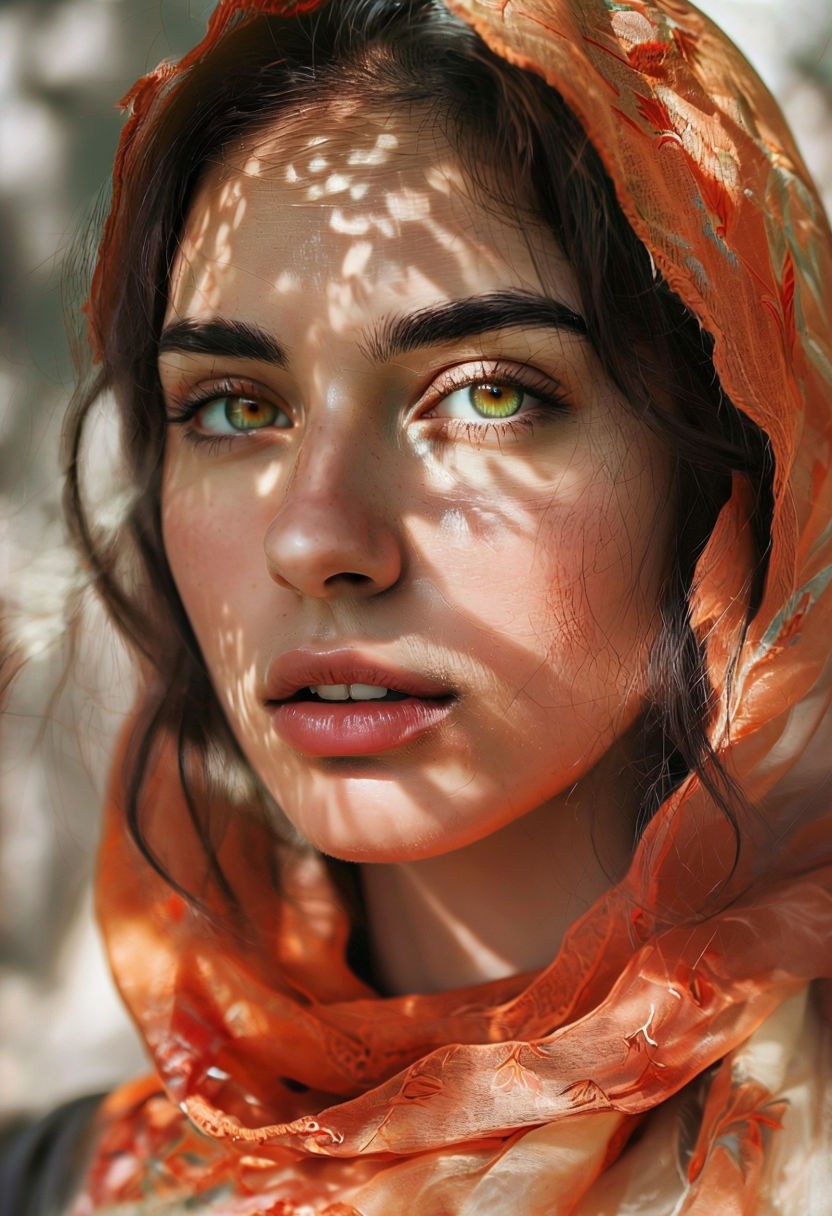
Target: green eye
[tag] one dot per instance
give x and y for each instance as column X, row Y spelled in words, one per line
column 496, row 400
column 485, row 401
column 245, row 415
column 233, row 415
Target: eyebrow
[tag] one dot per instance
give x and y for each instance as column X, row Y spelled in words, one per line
column 430, row 326
column 222, row 336
column 437, row 324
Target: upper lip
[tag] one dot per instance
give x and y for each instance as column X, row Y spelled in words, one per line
column 295, row 670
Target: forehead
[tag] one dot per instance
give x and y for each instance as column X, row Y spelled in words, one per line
column 361, row 205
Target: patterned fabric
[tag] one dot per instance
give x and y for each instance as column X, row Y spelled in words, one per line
column 671, row 1058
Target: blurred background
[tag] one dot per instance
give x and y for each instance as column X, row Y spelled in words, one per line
column 63, row 66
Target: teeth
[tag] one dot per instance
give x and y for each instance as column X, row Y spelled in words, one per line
column 367, row 692
column 346, row 692
column 331, row 692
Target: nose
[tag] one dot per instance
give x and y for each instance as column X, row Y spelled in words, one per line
column 335, row 530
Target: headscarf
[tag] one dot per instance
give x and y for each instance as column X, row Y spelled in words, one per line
column 670, row 1059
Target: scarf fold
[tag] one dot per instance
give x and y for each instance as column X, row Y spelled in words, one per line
column 670, row 1057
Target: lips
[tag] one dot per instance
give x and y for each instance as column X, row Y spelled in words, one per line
column 339, row 704
column 298, row 671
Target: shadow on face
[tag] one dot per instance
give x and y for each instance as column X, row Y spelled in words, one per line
column 394, row 463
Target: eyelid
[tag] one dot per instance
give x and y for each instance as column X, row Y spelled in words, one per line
column 182, row 408
column 503, row 371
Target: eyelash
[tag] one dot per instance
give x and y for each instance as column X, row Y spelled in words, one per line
column 551, row 400
column 550, row 397
column 183, row 414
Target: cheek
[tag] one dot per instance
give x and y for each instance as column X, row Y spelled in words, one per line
column 562, row 586
column 214, row 556
column 627, row 555
column 579, row 559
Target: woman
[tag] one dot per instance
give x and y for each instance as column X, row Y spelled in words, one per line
column 470, row 850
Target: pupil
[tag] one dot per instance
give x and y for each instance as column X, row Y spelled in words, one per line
column 245, row 415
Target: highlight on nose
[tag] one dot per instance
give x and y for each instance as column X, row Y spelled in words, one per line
column 329, row 549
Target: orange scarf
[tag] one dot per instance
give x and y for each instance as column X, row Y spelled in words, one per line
column 671, row 1057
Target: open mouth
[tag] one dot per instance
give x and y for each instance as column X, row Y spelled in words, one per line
column 357, row 719
column 340, row 703
column 347, row 692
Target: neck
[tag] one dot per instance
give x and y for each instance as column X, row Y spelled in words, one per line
column 501, row 905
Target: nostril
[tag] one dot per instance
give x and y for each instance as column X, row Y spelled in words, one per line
column 321, row 552
column 348, row 576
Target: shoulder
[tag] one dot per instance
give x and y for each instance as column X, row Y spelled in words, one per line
column 40, row 1160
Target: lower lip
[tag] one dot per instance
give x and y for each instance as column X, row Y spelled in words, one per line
column 356, row 728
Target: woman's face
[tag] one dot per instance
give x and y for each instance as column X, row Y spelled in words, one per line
column 419, row 536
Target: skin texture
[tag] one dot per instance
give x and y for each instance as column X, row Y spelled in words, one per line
column 516, row 564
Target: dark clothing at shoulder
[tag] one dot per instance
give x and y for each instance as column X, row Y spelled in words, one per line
column 40, row 1159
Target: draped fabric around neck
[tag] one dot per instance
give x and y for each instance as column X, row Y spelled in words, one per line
column 670, row 1057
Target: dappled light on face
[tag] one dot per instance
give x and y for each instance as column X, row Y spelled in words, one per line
column 206, row 258
column 267, row 481
column 240, row 692
column 329, row 171
column 372, row 507
column 314, row 170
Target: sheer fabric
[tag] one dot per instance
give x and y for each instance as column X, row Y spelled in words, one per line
column 671, row 1058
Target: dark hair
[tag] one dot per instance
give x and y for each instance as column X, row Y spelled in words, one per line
column 409, row 53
